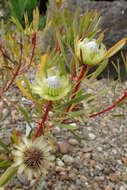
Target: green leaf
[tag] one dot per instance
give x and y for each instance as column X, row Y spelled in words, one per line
column 76, row 135
column 75, row 100
column 99, row 70
column 42, row 184
column 8, row 174
column 113, row 50
column 27, row 84
column 4, row 146
column 17, row 9
column 77, row 113
column 124, row 61
column 69, row 127
column 122, row 116
column 75, row 22
column 17, row 23
column 26, row 115
column 30, row 6
column 61, row 46
column 4, row 164
column 62, row 66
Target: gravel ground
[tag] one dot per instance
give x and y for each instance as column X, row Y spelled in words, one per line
column 99, row 161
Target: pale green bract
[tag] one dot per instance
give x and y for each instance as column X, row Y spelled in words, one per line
column 52, row 88
column 92, row 52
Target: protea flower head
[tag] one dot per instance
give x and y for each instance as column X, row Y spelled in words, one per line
column 32, row 158
column 92, row 52
column 53, row 87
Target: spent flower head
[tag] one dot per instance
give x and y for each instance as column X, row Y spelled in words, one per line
column 32, row 158
column 53, row 87
column 92, row 52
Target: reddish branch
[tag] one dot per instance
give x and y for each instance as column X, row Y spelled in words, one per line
column 3, row 54
column 111, row 107
column 42, row 122
column 33, row 53
column 15, row 73
column 78, row 82
column 6, row 56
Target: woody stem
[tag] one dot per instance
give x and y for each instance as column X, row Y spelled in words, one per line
column 42, row 122
column 78, row 82
column 110, row 107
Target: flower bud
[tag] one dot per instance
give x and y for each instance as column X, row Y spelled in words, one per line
column 91, row 51
column 52, row 88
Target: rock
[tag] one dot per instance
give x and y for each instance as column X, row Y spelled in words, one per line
column 112, row 12
column 100, row 149
column 60, row 163
column 117, row 10
column 73, row 142
column 122, row 188
column 83, row 179
column 5, row 113
column 124, row 177
column 64, row 147
column 92, row 136
column 73, row 176
column 95, row 185
column 87, row 156
column 108, row 187
column 78, row 183
column 68, row 159
column 114, row 177
column 59, row 169
column 88, row 149
column 23, row 180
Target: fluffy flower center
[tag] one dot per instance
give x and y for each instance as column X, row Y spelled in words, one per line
column 33, row 158
column 53, row 82
column 92, row 45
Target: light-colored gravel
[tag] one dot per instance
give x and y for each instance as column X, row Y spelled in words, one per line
column 99, row 160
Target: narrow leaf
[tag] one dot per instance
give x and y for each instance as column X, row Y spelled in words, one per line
column 26, row 115
column 15, row 137
column 41, row 68
column 9, row 173
column 69, row 127
column 4, row 146
column 115, row 48
column 4, row 164
column 23, row 90
column 99, row 70
column 75, row 100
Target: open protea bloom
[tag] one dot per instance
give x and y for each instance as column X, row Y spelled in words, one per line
column 52, row 88
column 92, row 52
column 32, row 158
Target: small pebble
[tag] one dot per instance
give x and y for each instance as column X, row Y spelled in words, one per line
column 68, row 159
column 122, row 188
column 73, row 142
column 92, row 136
column 64, row 147
column 5, row 113
column 60, row 163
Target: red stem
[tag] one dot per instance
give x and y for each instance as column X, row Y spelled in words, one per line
column 110, row 107
column 42, row 122
column 15, row 73
column 33, row 53
column 78, row 82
